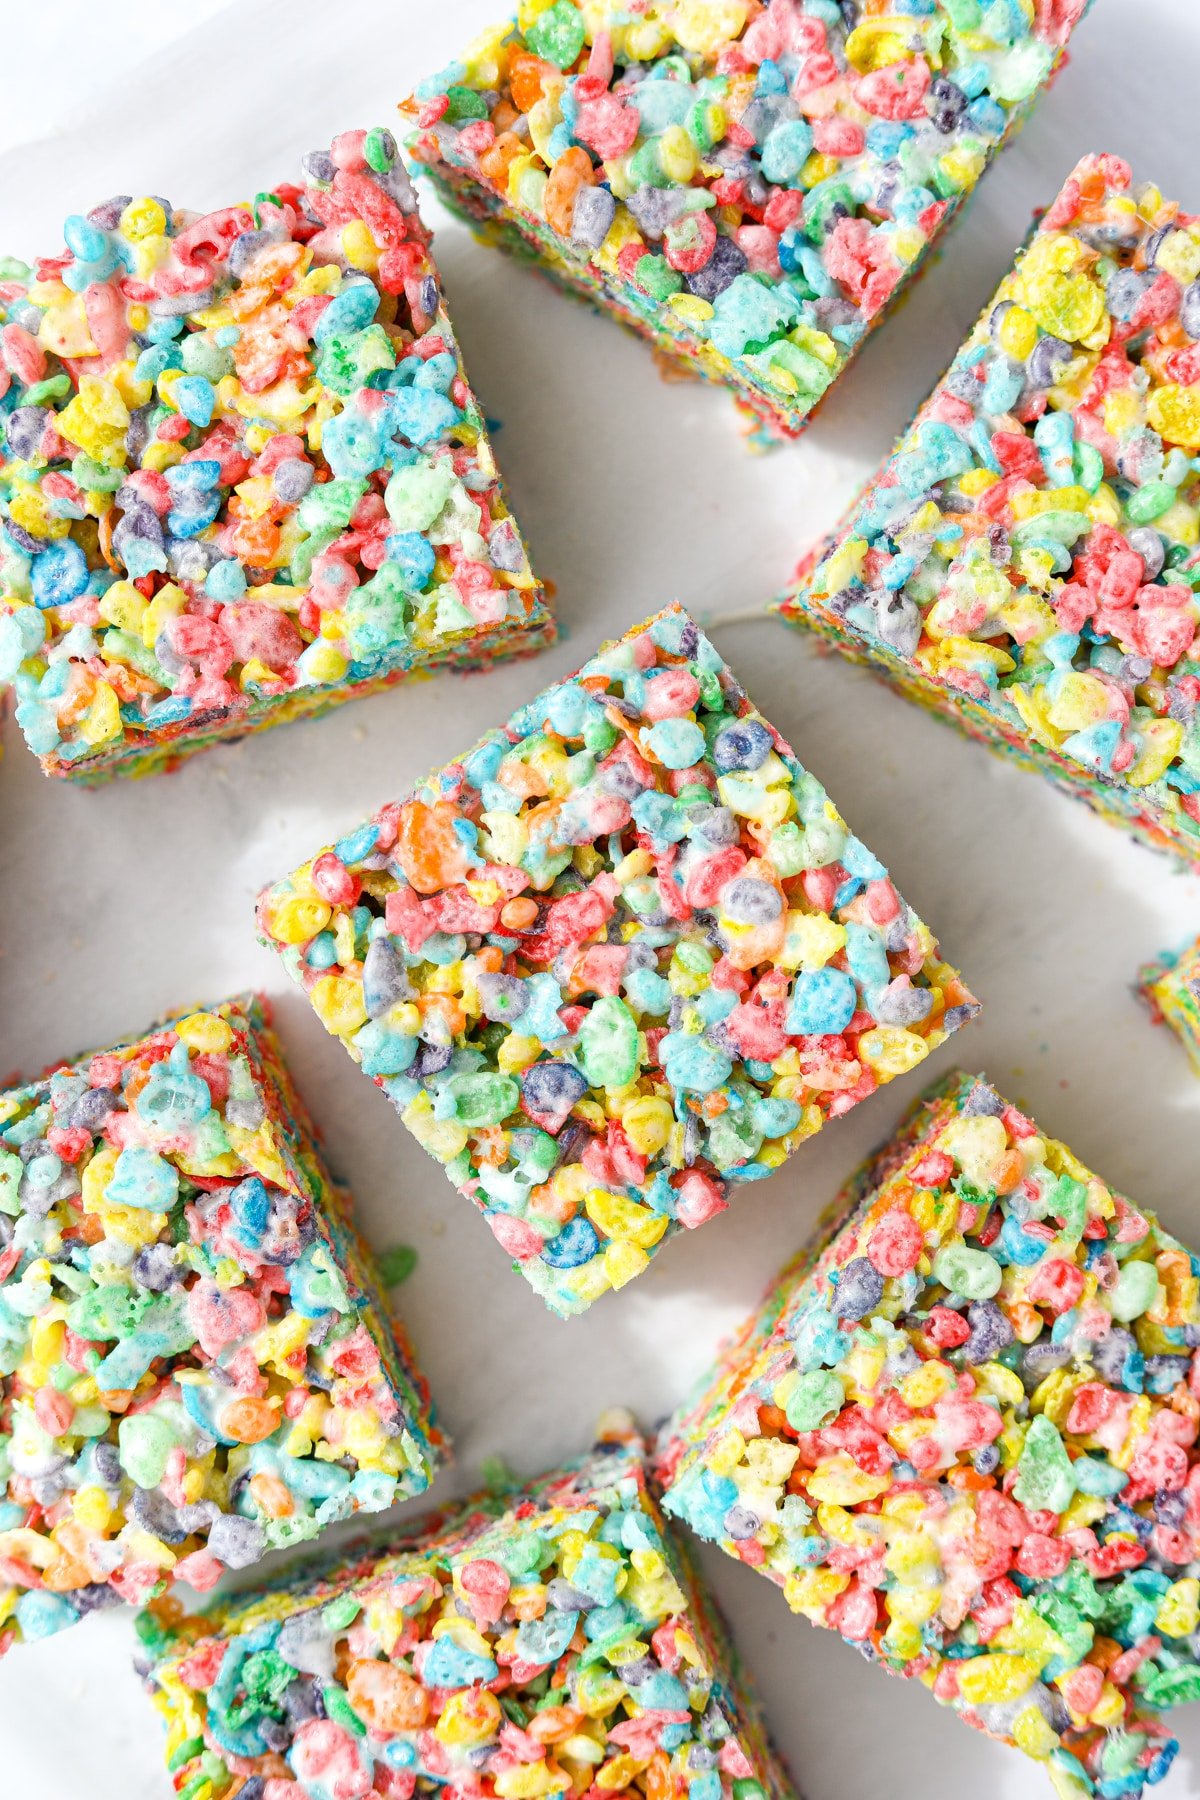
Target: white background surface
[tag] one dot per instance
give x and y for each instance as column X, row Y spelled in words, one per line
column 119, row 905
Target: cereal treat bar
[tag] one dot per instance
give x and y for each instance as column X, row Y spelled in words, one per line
column 619, row 957
column 962, row 1433
column 549, row 1640
column 1171, row 986
column 242, row 475
column 1026, row 564
column 748, row 185
column 196, row 1365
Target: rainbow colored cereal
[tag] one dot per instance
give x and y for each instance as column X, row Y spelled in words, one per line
column 1026, row 564
column 961, row 1431
column 621, row 956
column 195, row 1366
column 242, row 475
column 549, row 1640
column 1171, row 987
column 748, row 185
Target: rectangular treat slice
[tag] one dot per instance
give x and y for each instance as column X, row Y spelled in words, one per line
column 961, row 1432
column 1025, row 565
column 551, row 1640
column 1171, row 987
column 749, row 186
column 617, row 958
column 242, row 474
column 196, row 1364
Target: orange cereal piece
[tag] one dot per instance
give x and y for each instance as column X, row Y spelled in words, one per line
column 571, row 172
column 431, row 854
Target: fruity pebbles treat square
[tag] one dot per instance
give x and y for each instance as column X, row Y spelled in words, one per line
column 242, row 474
column 550, row 1640
column 748, row 185
column 961, row 1432
column 1026, row 563
column 621, row 956
column 1171, row 987
column 196, row 1365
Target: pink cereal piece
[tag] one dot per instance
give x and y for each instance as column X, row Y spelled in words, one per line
column 1057, row 1285
column 521, row 1240
column 53, row 1411
column 895, row 1245
column 223, row 1316
column 200, row 1570
column 486, row 1584
column 698, row 1199
column 670, row 694
column 333, row 881
column 895, row 92
column 22, row 354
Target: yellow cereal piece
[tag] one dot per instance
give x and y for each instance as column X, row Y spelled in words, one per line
column 1181, row 523
column 515, row 1053
column 623, row 1259
column 928, row 1384
column 996, row 1679
column 816, row 343
column 91, row 1508
column 648, row 1123
column 818, row 168
column 65, row 331
column 812, row 1590
column 95, row 420
column 1159, row 742
column 324, row 662
column 298, row 918
column 29, row 508
column 975, row 1144
column 961, row 167
column 1032, row 1734
column 677, row 154
column 1175, row 412
column 838, row 1478
column 617, row 1217
column 904, row 1638
column 123, row 606
column 168, row 603
column 976, row 482
column 205, row 1032
column 359, row 247
column 1178, row 1612
column 1018, row 333
column 527, row 1781
column 878, row 43
column 993, row 1378
column 1110, row 1709
column 844, row 566
column 338, row 1002
column 102, row 720
column 1032, row 704
column 892, row 1049
column 1081, row 700
column 705, row 26
column 811, row 940
column 690, row 308
column 142, row 219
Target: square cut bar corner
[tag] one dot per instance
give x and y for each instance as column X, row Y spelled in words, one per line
column 196, row 1362
column 746, row 185
column 1027, row 563
column 243, row 476
column 618, row 958
column 961, row 1432
column 1171, row 988
column 552, row 1639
